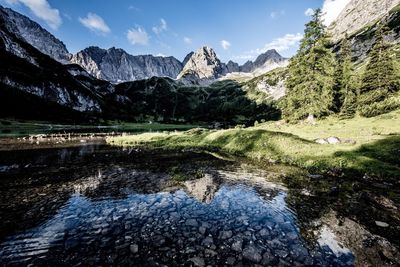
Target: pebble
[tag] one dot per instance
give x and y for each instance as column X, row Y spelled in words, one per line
column 134, row 248
column 225, row 235
column 192, row 222
column 202, row 230
column 208, row 241
column 251, row 253
column 237, row 246
column 197, row 261
column 381, row 224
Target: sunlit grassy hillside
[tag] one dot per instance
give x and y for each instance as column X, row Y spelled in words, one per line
column 375, row 152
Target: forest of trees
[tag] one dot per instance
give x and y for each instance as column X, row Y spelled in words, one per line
column 321, row 83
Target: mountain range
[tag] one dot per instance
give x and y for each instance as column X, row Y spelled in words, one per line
column 116, row 65
column 203, row 66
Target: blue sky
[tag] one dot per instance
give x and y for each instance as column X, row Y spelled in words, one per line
column 237, row 29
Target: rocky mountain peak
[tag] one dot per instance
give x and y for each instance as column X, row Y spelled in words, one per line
column 202, row 66
column 206, row 55
column 270, row 55
column 266, row 61
column 32, row 33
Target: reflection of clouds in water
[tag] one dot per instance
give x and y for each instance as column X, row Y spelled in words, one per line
column 328, row 238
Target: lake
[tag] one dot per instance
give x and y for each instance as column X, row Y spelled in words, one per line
column 98, row 205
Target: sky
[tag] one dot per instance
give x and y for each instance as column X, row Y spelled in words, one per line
column 238, row 30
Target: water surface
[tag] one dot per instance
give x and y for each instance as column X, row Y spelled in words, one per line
column 99, row 205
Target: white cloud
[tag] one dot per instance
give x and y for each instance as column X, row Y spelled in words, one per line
column 309, row 12
column 137, row 35
column 225, row 44
column 187, row 40
column 134, row 8
column 160, row 55
column 42, row 10
column 331, row 10
column 95, row 23
column 279, row 44
column 160, row 28
column 276, row 14
column 282, row 43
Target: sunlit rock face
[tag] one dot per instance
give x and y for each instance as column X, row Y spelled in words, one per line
column 203, row 67
column 358, row 14
column 360, row 19
column 265, row 62
column 116, row 65
column 32, row 33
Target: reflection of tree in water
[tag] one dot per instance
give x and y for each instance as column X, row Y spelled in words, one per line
column 343, row 208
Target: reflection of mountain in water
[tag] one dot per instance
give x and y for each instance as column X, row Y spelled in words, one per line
column 175, row 228
column 203, row 189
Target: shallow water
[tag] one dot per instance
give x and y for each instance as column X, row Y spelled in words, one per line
column 99, row 205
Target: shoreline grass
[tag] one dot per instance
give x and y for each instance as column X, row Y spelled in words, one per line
column 14, row 128
column 374, row 154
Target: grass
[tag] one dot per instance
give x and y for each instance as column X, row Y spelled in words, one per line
column 377, row 144
column 10, row 128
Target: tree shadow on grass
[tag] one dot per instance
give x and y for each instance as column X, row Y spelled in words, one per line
column 380, row 157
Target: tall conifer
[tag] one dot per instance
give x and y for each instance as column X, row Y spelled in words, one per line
column 379, row 81
column 310, row 82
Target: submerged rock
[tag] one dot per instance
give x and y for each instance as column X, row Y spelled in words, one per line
column 134, row 248
column 197, row 261
column 381, row 224
column 252, row 253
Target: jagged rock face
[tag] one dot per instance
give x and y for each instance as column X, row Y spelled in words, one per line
column 186, row 59
column 232, row 67
column 362, row 40
column 32, row 33
column 203, row 66
column 25, row 69
column 358, row 14
column 116, row 65
column 265, row 62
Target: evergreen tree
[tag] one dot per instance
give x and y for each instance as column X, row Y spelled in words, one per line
column 379, row 81
column 310, row 81
column 343, row 75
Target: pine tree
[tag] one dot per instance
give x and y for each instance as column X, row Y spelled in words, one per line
column 310, row 82
column 343, row 75
column 379, row 81
column 344, row 90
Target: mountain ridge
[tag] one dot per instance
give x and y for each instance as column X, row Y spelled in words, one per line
column 34, row 34
column 116, row 65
